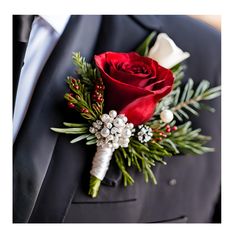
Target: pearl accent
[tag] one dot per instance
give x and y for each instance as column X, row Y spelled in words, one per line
column 105, row 118
column 130, row 125
column 112, row 130
column 92, row 130
column 112, row 113
column 167, row 116
column 118, row 122
column 105, row 132
column 108, row 125
column 127, row 133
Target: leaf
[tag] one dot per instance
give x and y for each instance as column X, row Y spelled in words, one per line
column 178, row 116
column 144, row 47
column 183, row 113
column 74, row 125
column 91, row 142
column 172, row 145
column 191, row 110
column 91, row 136
column 70, row 130
column 79, row 138
column 206, row 107
column 212, row 96
column 176, row 98
column 152, row 176
column 202, row 87
column 190, row 91
column 184, row 94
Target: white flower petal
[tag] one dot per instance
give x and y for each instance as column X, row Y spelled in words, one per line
column 166, row 52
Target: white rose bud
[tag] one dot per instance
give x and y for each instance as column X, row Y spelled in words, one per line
column 166, row 52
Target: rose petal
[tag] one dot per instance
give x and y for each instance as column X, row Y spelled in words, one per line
column 130, row 91
column 135, row 111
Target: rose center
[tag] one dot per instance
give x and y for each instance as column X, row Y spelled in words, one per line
column 140, row 69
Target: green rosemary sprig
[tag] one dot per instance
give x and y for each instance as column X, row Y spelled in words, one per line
column 87, row 73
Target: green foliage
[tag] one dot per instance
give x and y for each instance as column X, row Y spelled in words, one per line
column 81, row 99
column 143, row 49
column 82, row 129
column 190, row 100
column 185, row 140
column 187, row 100
column 142, row 157
column 178, row 73
column 87, row 73
column 128, row 180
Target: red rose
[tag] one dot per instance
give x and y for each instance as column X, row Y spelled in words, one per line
column 134, row 84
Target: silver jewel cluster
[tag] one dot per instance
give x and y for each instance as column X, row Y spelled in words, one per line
column 112, row 130
column 144, row 134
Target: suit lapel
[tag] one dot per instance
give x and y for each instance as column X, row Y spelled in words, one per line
column 35, row 142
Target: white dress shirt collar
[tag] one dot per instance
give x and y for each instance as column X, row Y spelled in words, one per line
column 45, row 33
column 57, row 22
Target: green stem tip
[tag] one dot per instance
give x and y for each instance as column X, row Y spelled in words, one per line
column 94, row 186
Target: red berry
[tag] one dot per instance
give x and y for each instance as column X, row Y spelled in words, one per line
column 161, row 133
column 73, row 81
column 71, row 105
column 99, row 98
column 167, row 126
column 158, row 139
column 84, row 110
column 174, row 128
column 168, row 130
column 76, row 87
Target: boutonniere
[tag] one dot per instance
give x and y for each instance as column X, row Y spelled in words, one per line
column 135, row 109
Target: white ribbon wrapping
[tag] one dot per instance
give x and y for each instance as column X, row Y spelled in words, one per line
column 101, row 162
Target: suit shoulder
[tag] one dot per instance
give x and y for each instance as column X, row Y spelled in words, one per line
column 181, row 27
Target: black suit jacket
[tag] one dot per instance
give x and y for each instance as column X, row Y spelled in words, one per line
column 51, row 175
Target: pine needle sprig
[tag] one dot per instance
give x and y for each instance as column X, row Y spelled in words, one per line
column 178, row 73
column 167, row 101
column 185, row 140
column 81, row 129
column 142, row 157
column 128, row 180
column 190, row 100
column 187, row 100
column 80, row 98
column 87, row 73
